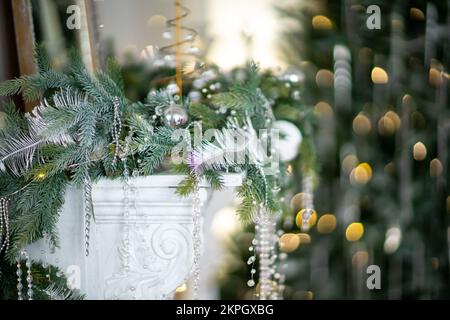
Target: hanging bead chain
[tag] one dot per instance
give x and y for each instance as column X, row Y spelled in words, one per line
column 264, row 240
column 88, row 210
column 307, row 184
column 263, row 245
column 29, row 276
column 275, row 276
column 196, row 233
column 4, row 224
column 251, row 261
column 116, row 129
column 19, row 279
column 276, row 260
column 265, row 227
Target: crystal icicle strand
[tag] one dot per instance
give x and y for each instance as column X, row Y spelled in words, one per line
column 126, row 216
column 264, row 246
column 127, row 190
column 29, row 276
column 307, row 184
column 4, row 224
column 196, row 234
column 265, row 228
column 88, row 210
column 19, row 279
column 282, row 269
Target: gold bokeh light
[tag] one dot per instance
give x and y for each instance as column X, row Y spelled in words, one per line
column 323, row 109
column 311, row 221
column 354, row 231
column 298, row 202
column 289, row 242
column 361, row 124
column 304, row 238
column 379, row 76
column 361, row 174
column 436, row 168
column 321, row 22
column 327, row 223
column 416, row 14
column 360, row 259
column 419, row 151
column 324, row 78
column 350, row 161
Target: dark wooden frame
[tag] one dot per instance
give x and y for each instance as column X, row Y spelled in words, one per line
column 9, row 64
column 24, row 31
column 25, row 38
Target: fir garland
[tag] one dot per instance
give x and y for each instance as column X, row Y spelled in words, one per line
column 67, row 139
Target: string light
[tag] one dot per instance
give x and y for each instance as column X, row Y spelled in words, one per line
column 40, row 176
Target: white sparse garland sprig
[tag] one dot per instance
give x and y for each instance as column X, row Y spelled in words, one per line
column 17, row 153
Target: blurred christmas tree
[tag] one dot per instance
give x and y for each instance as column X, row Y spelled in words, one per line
column 381, row 97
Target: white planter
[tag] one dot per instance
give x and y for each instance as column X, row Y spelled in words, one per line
column 161, row 243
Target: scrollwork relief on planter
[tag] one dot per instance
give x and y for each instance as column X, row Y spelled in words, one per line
column 160, row 258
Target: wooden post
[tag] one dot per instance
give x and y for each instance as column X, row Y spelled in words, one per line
column 23, row 25
column 9, row 66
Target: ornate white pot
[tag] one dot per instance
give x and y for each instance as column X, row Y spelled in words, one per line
column 160, row 243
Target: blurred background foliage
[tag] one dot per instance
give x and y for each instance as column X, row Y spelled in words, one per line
column 381, row 98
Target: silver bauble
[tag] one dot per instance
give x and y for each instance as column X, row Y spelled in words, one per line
column 175, row 116
column 195, row 96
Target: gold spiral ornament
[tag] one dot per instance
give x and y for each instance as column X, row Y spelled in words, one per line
column 183, row 36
